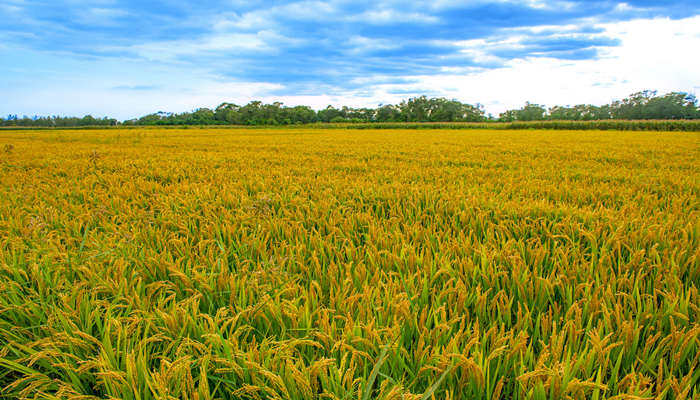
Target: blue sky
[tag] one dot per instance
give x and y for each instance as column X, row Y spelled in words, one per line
column 129, row 58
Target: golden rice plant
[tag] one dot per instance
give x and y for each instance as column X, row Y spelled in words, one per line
column 332, row 264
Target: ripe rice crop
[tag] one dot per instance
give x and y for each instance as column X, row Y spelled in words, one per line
column 345, row 264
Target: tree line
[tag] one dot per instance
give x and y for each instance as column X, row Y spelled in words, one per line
column 418, row 109
column 638, row 106
column 57, row 121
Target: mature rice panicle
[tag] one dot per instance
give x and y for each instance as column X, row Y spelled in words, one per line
column 334, row 264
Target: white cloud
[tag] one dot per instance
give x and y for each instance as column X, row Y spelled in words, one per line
column 10, row 9
column 393, row 16
column 100, row 16
column 246, row 21
column 107, row 12
column 174, row 50
column 653, row 54
column 266, row 18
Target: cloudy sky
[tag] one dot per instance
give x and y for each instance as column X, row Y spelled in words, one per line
column 129, row 58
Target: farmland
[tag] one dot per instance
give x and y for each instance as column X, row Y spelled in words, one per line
column 349, row 264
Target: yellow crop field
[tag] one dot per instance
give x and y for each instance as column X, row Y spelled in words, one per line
column 346, row 264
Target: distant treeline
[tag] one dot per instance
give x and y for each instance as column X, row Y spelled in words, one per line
column 613, row 124
column 57, row 121
column 646, row 105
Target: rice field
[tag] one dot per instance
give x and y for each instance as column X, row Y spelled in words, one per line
column 365, row 264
